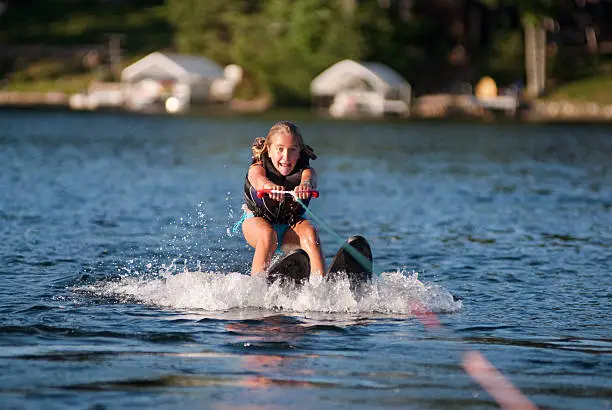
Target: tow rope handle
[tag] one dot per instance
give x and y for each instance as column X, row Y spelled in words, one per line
column 262, row 192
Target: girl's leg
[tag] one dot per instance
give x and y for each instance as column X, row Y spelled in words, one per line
column 260, row 235
column 304, row 235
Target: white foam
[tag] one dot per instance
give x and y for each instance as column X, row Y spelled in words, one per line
column 391, row 292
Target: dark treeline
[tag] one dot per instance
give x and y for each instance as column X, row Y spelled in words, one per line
column 435, row 44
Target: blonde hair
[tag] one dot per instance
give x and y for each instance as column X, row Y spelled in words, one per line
column 260, row 145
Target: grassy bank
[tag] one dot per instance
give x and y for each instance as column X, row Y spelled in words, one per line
column 596, row 89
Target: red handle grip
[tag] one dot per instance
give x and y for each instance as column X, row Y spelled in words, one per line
column 262, row 192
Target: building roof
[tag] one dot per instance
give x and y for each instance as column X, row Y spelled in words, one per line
column 345, row 73
column 181, row 67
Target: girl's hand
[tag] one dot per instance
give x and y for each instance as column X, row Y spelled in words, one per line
column 302, row 190
column 276, row 197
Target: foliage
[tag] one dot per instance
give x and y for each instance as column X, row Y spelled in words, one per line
column 78, row 23
column 507, row 56
column 203, row 26
column 393, row 41
column 282, row 45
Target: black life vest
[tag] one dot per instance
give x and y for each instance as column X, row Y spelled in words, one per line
column 287, row 211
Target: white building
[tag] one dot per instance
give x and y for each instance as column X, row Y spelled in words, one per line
column 177, row 80
column 350, row 88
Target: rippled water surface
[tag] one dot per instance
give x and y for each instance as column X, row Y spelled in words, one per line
column 123, row 287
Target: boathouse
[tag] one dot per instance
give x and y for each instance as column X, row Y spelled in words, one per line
column 184, row 79
column 351, row 88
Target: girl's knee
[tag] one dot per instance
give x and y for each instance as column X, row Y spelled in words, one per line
column 309, row 237
column 267, row 239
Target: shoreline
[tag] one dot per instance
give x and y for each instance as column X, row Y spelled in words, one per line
column 446, row 107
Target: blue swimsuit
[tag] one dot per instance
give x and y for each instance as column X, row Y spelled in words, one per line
column 280, row 229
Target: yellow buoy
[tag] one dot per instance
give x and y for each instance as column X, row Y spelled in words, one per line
column 486, row 88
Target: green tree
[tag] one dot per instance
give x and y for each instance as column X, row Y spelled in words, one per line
column 295, row 42
column 281, row 45
column 204, row 26
column 506, row 56
column 405, row 44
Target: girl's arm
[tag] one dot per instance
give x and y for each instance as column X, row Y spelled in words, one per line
column 307, row 182
column 309, row 176
column 257, row 178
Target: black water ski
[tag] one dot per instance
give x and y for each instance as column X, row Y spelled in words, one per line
column 358, row 270
column 291, row 267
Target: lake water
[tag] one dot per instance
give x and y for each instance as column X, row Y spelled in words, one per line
column 122, row 286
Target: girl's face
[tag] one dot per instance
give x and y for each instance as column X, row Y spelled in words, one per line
column 284, row 151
